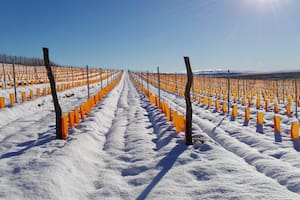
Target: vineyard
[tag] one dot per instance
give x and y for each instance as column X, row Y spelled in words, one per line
column 124, row 135
column 242, row 100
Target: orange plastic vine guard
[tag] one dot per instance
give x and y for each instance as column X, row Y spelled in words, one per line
column 276, row 108
column 217, row 105
column 267, row 105
column 243, row 101
column 71, row 119
column 64, row 126
column 12, row 98
column 44, row 91
column 260, row 118
column 234, row 111
column 295, row 130
column 209, row 102
column 76, row 116
column 277, row 123
column 224, row 107
column 82, row 111
column 23, row 94
column 30, row 94
column 288, row 109
column 2, row 102
column 257, row 103
column 38, row 92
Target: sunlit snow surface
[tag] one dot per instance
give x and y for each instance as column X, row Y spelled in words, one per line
column 126, row 149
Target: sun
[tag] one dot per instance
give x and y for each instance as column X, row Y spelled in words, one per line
column 264, row 4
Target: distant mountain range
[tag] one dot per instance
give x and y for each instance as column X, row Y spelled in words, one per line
column 280, row 74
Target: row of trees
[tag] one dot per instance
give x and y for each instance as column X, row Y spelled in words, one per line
column 21, row 60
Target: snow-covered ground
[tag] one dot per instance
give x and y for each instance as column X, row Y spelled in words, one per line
column 126, row 149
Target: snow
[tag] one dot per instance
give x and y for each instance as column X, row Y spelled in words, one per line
column 126, row 149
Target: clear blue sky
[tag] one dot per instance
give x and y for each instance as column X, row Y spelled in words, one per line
column 140, row 34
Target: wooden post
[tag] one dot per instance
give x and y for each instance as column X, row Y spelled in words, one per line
column 283, row 91
column 228, row 93
column 296, row 102
column 189, row 111
column 142, row 79
column 54, row 95
column 106, row 77
column 87, row 79
column 277, row 89
column 176, row 87
column 238, row 90
column 101, row 78
column 111, row 76
column 4, row 76
column 193, row 90
column 36, row 76
column 15, row 85
column 148, row 81
column 82, row 70
column 158, row 79
column 72, row 76
column 244, row 88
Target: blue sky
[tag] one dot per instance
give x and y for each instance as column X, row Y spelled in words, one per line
column 140, row 35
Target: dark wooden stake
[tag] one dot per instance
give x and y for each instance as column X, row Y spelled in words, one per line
column 101, row 78
column 54, row 95
column 189, row 111
column 296, row 103
column 238, row 90
column 72, row 76
column 148, row 81
column 87, row 80
column 4, row 75
column 228, row 95
column 15, row 85
column 107, row 77
column 283, row 91
column 158, row 79
column 176, row 87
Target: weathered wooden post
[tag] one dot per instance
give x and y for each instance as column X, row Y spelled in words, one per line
column 107, row 77
column 238, row 89
column 296, row 103
column 111, row 77
column 14, row 76
column 36, row 74
column 101, row 78
column 176, row 87
column 283, row 91
column 4, row 76
column 228, row 93
column 142, row 79
column 54, row 95
column 82, row 74
column 193, row 90
column 87, row 80
column 244, row 93
column 158, row 79
column 277, row 89
column 148, row 81
column 189, row 111
column 72, row 77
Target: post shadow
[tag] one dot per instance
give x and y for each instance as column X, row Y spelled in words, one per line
column 166, row 163
column 277, row 136
column 260, row 128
